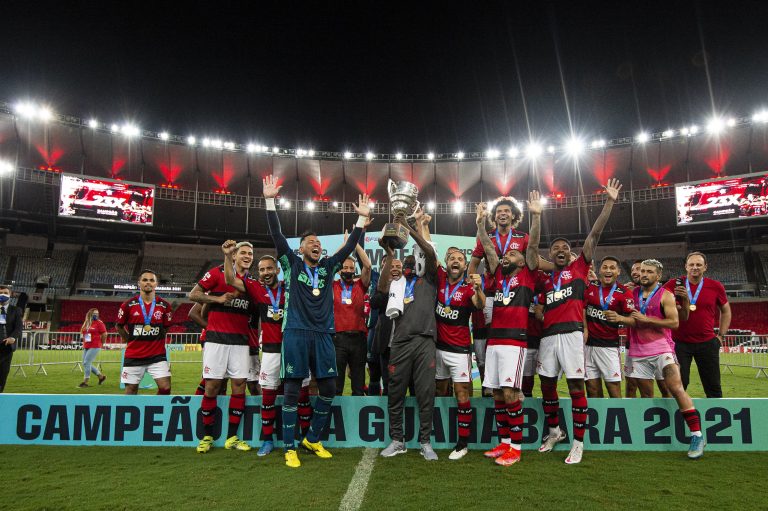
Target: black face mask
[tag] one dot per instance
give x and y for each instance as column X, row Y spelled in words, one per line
column 347, row 275
column 409, row 270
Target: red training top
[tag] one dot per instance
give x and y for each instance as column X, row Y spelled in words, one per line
column 92, row 338
column 700, row 325
column 349, row 317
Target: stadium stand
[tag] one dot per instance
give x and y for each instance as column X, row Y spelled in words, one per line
column 110, row 267
column 728, row 267
column 750, row 316
column 32, row 263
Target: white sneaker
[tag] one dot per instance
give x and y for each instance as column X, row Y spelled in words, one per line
column 458, row 452
column 428, row 453
column 577, row 450
column 552, row 440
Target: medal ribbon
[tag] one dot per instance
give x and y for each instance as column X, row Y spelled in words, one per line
column 446, row 298
column 346, row 294
column 605, row 303
column 506, row 245
column 559, row 284
column 507, row 283
column 147, row 317
column 275, row 299
column 312, row 275
column 644, row 302
column 409, row 287
column 695, row 297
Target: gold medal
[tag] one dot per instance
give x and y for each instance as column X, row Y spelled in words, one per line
column 408, row 299
column 348, row 301
column 557, row 295
column 692, row 307
column 147, row 328
column 447, row 309
column 507, row 300
column 316, row 292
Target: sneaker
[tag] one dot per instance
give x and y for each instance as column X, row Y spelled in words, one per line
column 83, row 385
column 235, row 443
column 393, row 449
column 551, row 440
column 205, row 445
column 577, row 450
column 696, row 450
column 497, row 451
column 428, row 453
column 266, row 448
column 510, row 457
column 292, row 459
column 458, row 452
column 316, row 447
column 102, row 378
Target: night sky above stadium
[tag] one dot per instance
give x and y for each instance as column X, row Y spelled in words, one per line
column 389, row 76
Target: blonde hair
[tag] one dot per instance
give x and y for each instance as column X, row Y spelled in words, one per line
column 88, row 320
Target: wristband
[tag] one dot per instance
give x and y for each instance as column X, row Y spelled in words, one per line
column 361, row 221
column 271, row 204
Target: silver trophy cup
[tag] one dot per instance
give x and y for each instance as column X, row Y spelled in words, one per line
column 402, row 203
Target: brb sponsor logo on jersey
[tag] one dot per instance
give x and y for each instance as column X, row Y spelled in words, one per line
column 447, row 312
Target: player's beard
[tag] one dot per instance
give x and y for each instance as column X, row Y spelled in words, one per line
column 507, row 269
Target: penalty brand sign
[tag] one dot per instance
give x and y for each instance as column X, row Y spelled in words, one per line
column 625, row 424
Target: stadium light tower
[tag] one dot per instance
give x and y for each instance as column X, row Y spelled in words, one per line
column 430, row 156
column 369, row 156
column 642, row 138
column 574, row 146
column 6, row 167
column 399, row 156
column 513, row 152
column 715, row 125
column 347, row 155
column 460, row 155
column 191, row 140
column 93, row 124
column 164, row 135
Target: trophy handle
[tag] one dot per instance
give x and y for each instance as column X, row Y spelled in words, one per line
column 416, row 205
column 391, row 187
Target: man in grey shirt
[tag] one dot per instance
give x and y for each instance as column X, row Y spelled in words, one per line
column 412, row 355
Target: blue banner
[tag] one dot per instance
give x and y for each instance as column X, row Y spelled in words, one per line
column 144, row 420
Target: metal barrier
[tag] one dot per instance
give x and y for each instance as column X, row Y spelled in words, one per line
column 41, row 349
column 745, row 351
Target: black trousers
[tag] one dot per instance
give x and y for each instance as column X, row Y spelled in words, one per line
column 412, row 360
column 6, row 356
column 707, row 358
column 352, row 350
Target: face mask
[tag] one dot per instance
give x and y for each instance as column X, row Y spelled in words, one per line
column 409, row 270
column 4, row 298
column 347, row 275
column 94, row 317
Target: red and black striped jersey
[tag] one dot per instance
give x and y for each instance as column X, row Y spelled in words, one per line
column 509, row 324
column 452, row 318
column 271, row 320
column 564, row 308
column 146, row 342
column 227, row 324
column 603, row 333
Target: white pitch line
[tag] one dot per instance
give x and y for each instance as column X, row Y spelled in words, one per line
column 353, row 499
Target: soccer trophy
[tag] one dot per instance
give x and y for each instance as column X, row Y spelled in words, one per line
column 402, row 203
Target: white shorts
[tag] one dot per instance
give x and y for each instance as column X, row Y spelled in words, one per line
column 269, row 374
column 132, row 375
column 225, row 361
column 254, row 367
column 602, row 362
column 531, row 358
column 649, row 368
column 456, row 366
column 562, row 352
column 504, row 366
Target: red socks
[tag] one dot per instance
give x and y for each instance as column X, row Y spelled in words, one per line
column 693, row 419
column 236, row 409
column 268, row 413
column 464, row 420
column 579, row 410
column 502, row 420
column 551, row 404
column 515, row 417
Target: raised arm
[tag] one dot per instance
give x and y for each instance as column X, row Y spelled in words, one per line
column 228, row 247
column 271, row 189
column 482, row 235
column 534, row 213
column 385, row 273
column 362, row 256
column 363, row 210
column 430, row 257
column 590, row 244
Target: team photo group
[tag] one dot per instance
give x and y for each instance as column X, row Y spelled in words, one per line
column 302, row 319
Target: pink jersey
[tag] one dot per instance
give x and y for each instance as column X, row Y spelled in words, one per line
column 649, row 341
